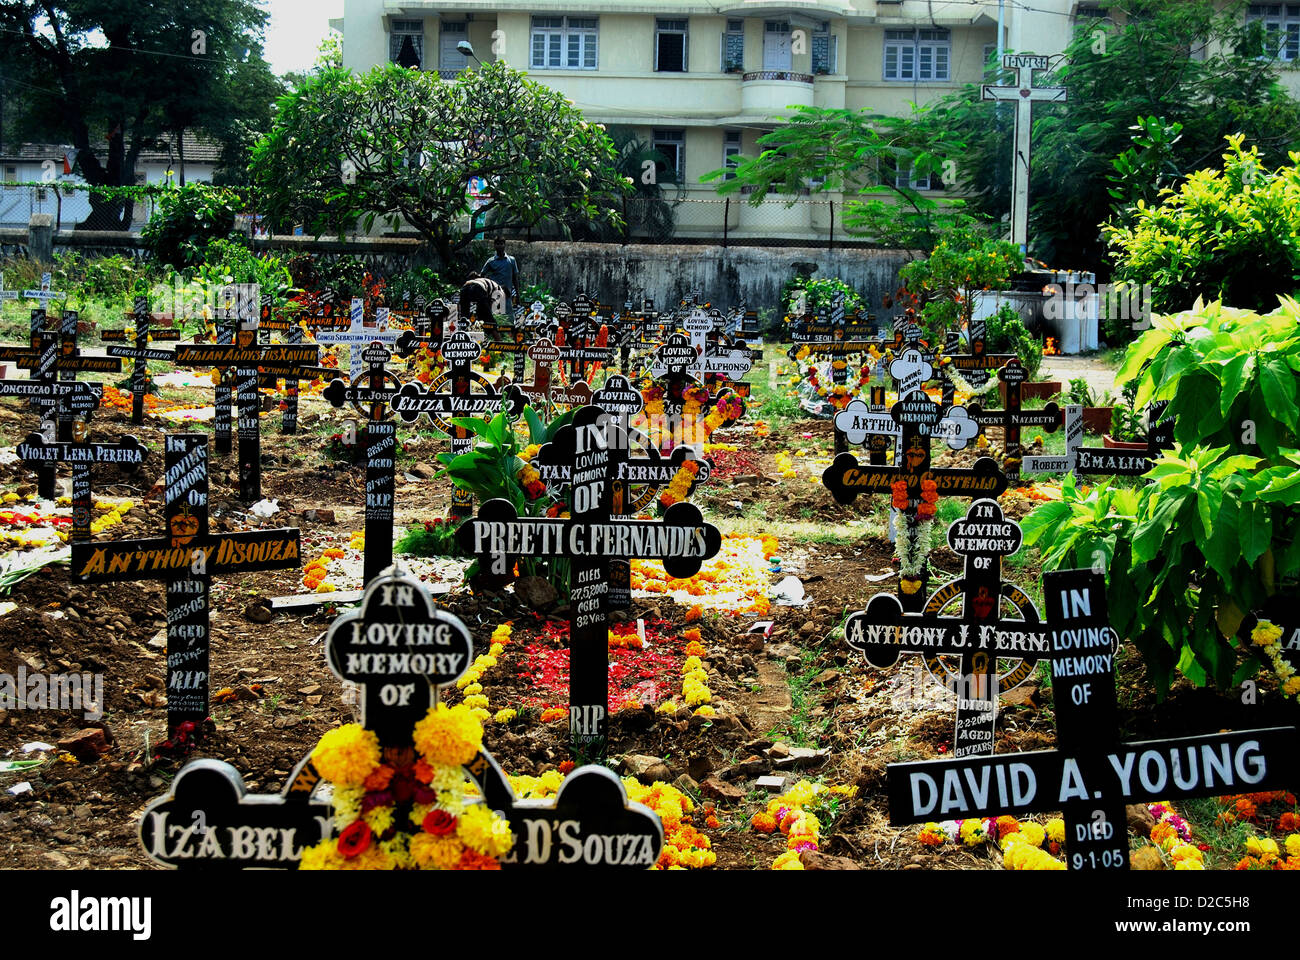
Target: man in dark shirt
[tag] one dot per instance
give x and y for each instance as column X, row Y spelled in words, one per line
column 503, row 270
column 484, row 295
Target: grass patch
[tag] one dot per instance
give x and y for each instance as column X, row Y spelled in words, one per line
column 802, row 729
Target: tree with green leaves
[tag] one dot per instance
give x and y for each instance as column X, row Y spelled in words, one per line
column 401, row 145
column 111, row 76
column 1158, row 88
column 859, row 155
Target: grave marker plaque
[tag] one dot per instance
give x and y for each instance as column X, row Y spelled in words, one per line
column 128, row 454
column 186, row 559
column 1092, row 774
column 591, row 538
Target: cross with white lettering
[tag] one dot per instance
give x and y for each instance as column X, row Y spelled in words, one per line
column 591, row 538
column 920, row 420
column 128, row 454
column 358, row 335
column 400, row 648
column 1092, row 774
column 451, row 396
column 1011, row 418
column 1109, row 461
column 978, row 635
column 187, row 559
column 141, row 354
column 1023, row 93
column 246, row 356
column 544, row 391
column 380, row 451
column 973, row 367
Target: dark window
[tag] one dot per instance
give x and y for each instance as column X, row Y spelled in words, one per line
column 670, row 45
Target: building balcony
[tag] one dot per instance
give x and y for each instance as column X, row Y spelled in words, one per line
column 771, row 93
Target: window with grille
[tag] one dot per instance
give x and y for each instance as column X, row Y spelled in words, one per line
column 731, row 146
column 1281, row 28
column 406, row 43
column 564, row 43
column 914, row 56
column 906, row 176
column 824, row 49
column 733, row 47
column 670, row 45
column 672, row 144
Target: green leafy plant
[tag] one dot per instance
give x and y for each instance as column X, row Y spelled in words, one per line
column 1125, row 419
column 1214, row 531
column 433, row 538
column 1007, row 333
column 819, row 293
column 186, row 219
column 1225, row 235
column 962, row 263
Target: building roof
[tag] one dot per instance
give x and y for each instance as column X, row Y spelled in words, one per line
column 198, row 149
column 945, row 12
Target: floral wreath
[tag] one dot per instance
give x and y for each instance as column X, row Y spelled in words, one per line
column 405, row 808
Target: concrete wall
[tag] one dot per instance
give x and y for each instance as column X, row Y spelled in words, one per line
column 612, row 273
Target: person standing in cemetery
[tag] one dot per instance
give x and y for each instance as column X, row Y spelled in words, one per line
column 505, row 271
column 486, row 297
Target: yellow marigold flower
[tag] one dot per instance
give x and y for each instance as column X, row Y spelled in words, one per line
column 380, row 819
column 346, row 755
column 323, row 856
column 666, row 707
column 482, row 830
column 705, row 711
column 473, row 688
column 1265, row 848
column 972, row 832
column 506, row 715
column 1032, row 832
column 691, row 663
column 449, row 736
column 476, row 700
column 1056, row 830
column 1293, row 845
column 1189, row 864
column 436, row 853
column 787, row 861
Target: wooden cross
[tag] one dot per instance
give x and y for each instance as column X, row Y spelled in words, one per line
column 186, row 558
column 1092, row 774
column 544, row 390
column 974, row 366
column 141, row 354
column 1023, row 93
column 590, row 538
column 1102, row 461
column 977, row 635
column 359, row 335
column 128, row 454
column 399, row 647
column 451, row 396
column 920, row 420
column 44, row 295
column 380, row 451
column 246, row 355
column 1011, row 418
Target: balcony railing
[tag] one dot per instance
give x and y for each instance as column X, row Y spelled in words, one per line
column 785, row 75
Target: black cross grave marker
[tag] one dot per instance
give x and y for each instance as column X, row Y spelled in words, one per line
column 977, row 635
column 450, row 396
column 381, row 452
column 1012, row 417
column 141, row 354
column 545, row 390
column 590, row 538
column 920, row 420
column 186, row 558
column 1092, row 774
column 127, row 454
column 246, row 355
column 400, row 648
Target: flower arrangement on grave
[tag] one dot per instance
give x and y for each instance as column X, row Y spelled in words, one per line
column 799, row 815
column 703, row 413
column 1267, row 636
column 736, row 580
column 820, row 381
column 403, row 808
column 1274, row 843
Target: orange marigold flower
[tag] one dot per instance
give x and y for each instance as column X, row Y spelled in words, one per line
column 763, row 822
column 694, row 613
column 378, row 779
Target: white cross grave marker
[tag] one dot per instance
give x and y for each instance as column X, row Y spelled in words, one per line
column 1023, row 93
